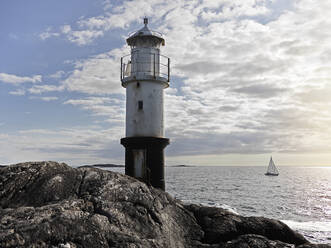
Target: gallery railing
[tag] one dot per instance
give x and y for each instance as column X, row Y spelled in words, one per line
column 145, row 65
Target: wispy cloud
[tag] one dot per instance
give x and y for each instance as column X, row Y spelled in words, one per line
column 111, row 108
column 44, row 98
column 18, row 92
column 57, row 75
column 39, row 89
column 81, row 37
column 14, row 79
column 48, row 34
column 96, row 75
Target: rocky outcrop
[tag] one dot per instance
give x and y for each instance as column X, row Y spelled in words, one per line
column 221, row 225
column 47, row 204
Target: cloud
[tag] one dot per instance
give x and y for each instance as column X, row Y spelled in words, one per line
column 258, row 68
column 200, row 67
column 91, row 144
column 99, row 74
column 80, row 37
column 86, row 30
column 228, row 108
column 222, row 10
column 45, row 98
column 244, row 142
column 66, row 29
column 246, row 77
column 83, row 37
column 57, row 75
column 260, row 90
column 90, row 101
column 18, row 92
column 316, row 95
column 110, row 108
column 48, row 34
column 39, row 89
column 13, row 79
column 107, row 5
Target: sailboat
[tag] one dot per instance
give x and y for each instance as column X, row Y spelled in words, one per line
column 272, row 170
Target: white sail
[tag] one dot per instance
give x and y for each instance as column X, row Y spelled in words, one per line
column 272, row 170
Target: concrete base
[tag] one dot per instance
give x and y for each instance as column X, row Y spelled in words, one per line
column 144, row 159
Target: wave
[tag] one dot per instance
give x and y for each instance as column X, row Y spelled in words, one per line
column 313, row 226
column 227, row 207
column 217, row 205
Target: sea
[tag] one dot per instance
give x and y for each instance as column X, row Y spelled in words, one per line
column 300, row 196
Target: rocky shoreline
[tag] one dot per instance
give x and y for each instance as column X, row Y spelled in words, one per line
column 47, row 204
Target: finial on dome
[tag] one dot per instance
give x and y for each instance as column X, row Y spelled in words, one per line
column 145, row 21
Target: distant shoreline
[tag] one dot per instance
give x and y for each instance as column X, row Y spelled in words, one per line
column 122, row 166
column 181, row 165
column 102, row 166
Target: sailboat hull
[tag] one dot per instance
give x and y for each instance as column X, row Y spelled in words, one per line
column 270, row 174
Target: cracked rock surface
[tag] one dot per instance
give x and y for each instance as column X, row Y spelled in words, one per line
column 47, row 204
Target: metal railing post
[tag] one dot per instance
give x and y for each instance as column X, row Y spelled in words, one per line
column 121, row 68
column 168, row 69
column 154, row 64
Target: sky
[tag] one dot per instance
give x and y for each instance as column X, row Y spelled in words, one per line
column 249, row 79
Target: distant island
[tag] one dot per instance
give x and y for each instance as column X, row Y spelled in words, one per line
column 121, row 166
column 182, row 165
column 101, row 166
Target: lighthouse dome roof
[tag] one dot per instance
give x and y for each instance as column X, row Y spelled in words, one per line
column 144, row 33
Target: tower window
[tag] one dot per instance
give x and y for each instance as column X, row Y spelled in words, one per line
column 140, row 105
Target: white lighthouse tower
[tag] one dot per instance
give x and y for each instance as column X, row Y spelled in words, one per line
column 144, row 74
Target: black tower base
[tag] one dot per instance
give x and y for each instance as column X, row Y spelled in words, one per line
column 144, row 159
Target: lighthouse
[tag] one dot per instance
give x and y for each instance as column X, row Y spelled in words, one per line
column 145, row 73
